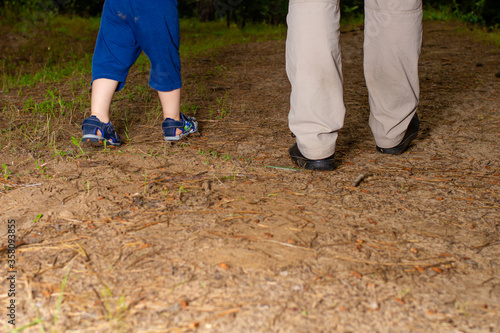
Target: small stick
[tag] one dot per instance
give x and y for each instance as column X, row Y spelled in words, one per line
column 417, row 263
column 30, row 185
column 222, row 314
column 286, row 244
column 147, row 225
column 359, row 179
column 283, row 168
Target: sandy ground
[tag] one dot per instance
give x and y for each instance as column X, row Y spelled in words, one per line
column 218, row 234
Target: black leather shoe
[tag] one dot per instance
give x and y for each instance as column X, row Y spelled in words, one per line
column 411, row 133
column 325, row 164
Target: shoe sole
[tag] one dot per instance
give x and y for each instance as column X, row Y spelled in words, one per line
column 96, row 141
column 181, row 136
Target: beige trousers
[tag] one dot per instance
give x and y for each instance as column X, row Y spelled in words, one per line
column 393, row 37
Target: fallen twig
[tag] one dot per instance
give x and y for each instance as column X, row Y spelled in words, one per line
column 7, row 182
column 137, row 228
column 283, row 168
column 370, row 262
column 286, row 244
column 359, row 179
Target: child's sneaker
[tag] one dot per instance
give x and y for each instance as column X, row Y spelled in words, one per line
column 95, row 133
column 188, row 125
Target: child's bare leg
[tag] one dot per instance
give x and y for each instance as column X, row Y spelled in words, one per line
column 102, row 94
column 171, row 104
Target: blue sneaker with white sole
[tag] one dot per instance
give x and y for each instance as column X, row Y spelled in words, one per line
column 188, row 125
column 96, row 133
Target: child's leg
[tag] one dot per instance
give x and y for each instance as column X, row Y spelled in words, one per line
column 156, row 29
column 97, row 129
column 171, row 104
column 175, row 125
column 158, row 34
column 115, row 52
column 102, row 94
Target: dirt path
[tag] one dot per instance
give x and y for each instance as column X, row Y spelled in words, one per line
column 205, row 236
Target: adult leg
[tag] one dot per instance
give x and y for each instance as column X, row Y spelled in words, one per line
column 393, row 37
column 313, row 65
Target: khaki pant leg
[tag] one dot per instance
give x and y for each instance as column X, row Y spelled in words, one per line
column 313, row 67
column 393, row 37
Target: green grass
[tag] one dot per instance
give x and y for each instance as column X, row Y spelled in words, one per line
column 49, row 73
column 49, row 66
column 46, row 74
column 464, row 23
column 482, row 34
column 351, row 21
column 47, row 51
column 438, row 14
column 201, row 37
column 56, row 47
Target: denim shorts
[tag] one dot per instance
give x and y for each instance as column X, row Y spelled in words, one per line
column 131, row 26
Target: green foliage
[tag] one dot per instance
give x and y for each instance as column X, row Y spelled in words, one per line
column 483, row 12
column 269, row 11
column 241, row 12
column 87, row 8
column 471, row 12
column 48, row 7
column 6, row 171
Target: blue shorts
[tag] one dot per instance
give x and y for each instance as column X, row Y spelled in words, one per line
column 131, row 26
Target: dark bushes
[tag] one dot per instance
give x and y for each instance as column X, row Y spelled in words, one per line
column 270, row 11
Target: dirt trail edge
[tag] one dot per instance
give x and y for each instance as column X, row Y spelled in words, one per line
column 221, row 234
